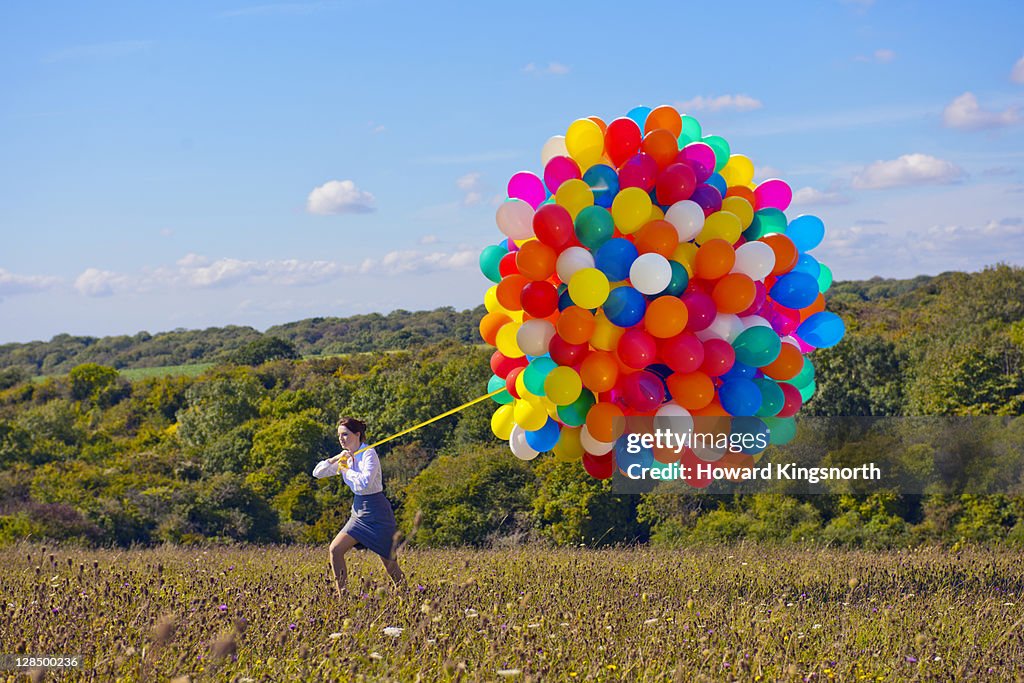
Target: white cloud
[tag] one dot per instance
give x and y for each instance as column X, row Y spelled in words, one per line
column 471, row 189
column 11, row 283
column 552, row 69
column 429, row 239
column 909, row 169
column 339, row 196
column 411, row 261
column 965, row 112
column 96, row 282
column 809, row 196
column 880, row 56
column 720, row 103
column 1017, row 73
column 377, row 128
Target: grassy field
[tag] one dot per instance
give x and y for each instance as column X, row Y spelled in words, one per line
column 719, row 613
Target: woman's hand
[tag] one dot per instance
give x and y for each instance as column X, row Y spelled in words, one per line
column 345, row 459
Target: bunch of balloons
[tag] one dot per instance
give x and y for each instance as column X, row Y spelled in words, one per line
column 644, row 273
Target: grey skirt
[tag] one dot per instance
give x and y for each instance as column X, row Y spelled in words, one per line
column 372, row 523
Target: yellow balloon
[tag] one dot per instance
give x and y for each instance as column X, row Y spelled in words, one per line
column 574, row 195
column 606, row 333
column 550, row 407
column 563, row 385
column 517, row 316
column 631, row 209
column 739, row 170
column 585, row 142
column 721, row 225
column 741, row 207
column 521, row 386
column 588, row 288
column 506, row 340
column 491, row 300
column 656, row 213
column 502, row 421
column 568, row 448
column 530, row 414
column 686, row 254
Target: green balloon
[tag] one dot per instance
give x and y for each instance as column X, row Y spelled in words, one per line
column 575, row 414
column 766, row 221
column 722, row 151
column 495, row 383
column 490, row 259
column 781, row 430
column 691, row 131
column 824, row 278
column 594, row 227
column 772, row 398
column 807, row 390
column 680, row 279
column 757, row 346
column 535, row 374
column 805, row 375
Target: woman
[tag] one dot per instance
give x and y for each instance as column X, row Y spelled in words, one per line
column 372, row 524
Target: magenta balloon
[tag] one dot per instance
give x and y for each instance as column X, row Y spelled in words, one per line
column 640, row 171
column 773, row 194
column 528, row 187
column 759, row 296
column 676, row 183
column 700, row 309
column 701, row 159
column 804, row 346
column 558, row 170
column 783, row 320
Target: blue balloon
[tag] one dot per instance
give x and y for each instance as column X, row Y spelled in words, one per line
column 564, row 300
column 625, row 306
column 808, row 264
column 603, row 182
column 822, row 330
column 545, row 438
column 623, row 458
column 740, row 371
column 740, row 397
column 795, row 290
column 752, row 434
column 639, row 114
column 806, row 232
column 718, row 182
column 615, row 256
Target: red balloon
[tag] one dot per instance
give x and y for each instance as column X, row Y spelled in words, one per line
column 719, row 357
column 553, row 226
column 683, row 352
column 540, row 299
column 637, row 349
column 688, row 468
column 599, row 466
column 501, row 364
column 622, row 140
column 640, row 171
column 676, row 183
column 564, row 353
column 793, row 400
column 700, row 309
column 507, row 265
column 510, row 381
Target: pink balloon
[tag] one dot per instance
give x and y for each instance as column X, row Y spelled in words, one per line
column 558, row 170
column 701, row 309
column 760, row 293
column 773, row 194
column 701, row 159
column 528, row 187
column 804, row 346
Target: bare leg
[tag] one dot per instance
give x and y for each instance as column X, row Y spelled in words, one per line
column 394, row 571
column 341, row 544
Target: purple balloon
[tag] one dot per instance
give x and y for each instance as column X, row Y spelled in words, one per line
column 640, row 171
column 708, row 198
column 528, row 187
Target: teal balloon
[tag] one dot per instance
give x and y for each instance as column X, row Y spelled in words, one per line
column 495, row 383
column 490, row 258
column 781, row 430
column 807, row 390
column 594, row 227
column 575, row 414
column 822, row 330
column 721, row 148
column 806, row 232
column 757, row 346
column 772, row 398
column 680, row 279
column 691, row 131
column 603, row 182
column 766, row 222
column 805, row 375
column 536, row 372
column 824, row 278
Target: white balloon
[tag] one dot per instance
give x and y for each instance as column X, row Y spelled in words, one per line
column 687, row 217
column 534, row 336
column 572, row 260
column 725, row 326
column 517, row 442
column 790, row 339
column 554, row 147
column 674, row 418
column 515, row 219
column 754, row 321
column 592, row 445
column 650, row 273
column 754, row 259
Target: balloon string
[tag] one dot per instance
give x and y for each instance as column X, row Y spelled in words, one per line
column 434, row 419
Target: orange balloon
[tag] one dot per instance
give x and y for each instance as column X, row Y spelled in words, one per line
column 666, row 317
column 692, row 390
column 665, row 117
column 600, row 123
column 734, row 293
column 713, row 409
column 605, row 421
column 785, row 252
column 658, row 237
column 490, row 324
column 662, row 146
column 741, row 191
column 536, row 260
column 816, row 307
column 714, row 259
column 599, row 371
column 509, row 291
column 575, row 325
column 786, row 366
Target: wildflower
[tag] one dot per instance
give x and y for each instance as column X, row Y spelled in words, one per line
column 652, row 620
column 393, row 631
column 508, row 673
column 471, row 613
column 912, row 659
column 292, row 627
column 334, row 636
column 611, row 667
column 223, row 608
column 376, row 655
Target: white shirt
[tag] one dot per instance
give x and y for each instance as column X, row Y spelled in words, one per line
column 364, row 477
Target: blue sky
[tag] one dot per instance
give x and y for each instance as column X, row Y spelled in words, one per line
column 199, row 164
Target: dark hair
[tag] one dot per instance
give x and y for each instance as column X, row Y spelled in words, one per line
column 354, row 425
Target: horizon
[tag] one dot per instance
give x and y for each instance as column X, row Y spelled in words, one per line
column 233, row 163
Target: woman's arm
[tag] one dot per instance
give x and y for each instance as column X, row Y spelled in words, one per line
column 331, row 466
column 362, row 471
